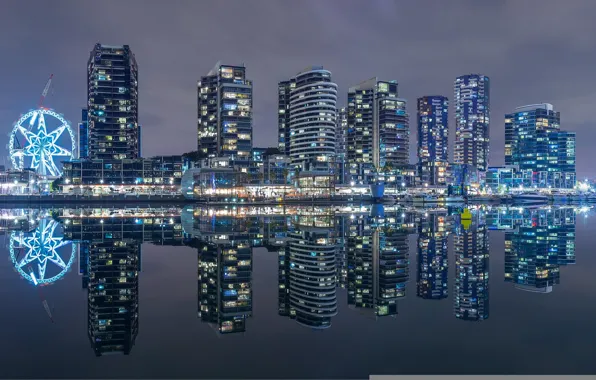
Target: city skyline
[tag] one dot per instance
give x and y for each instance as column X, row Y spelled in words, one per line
column 167, row 101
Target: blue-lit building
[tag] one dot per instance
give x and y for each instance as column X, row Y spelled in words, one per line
column 472, row 117
column 84, row 135
column 503, row 178
column 534, row 143
column 433, row 139
column 462, row 177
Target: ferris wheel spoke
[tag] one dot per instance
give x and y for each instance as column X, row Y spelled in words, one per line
column 56, row 150
column 56, row 259
column 42, row 266
column 55, row 134
column 29, row 257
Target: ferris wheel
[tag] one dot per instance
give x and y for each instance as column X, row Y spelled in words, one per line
column 42, row 257
column 38, row 140
column 44, row 142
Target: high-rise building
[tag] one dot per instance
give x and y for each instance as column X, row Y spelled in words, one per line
column 378, row 131
column 84, row 135
column 113, row 295
column 341, row 132
column 112, row 103
column 432, row 275
column 472, row 116
column 535, row 144
column 283, row 115
column 341, row 144
column 312, row 120
column 225, row 114
column 433, row 139
column 471, row 292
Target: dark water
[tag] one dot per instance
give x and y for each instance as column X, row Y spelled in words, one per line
column 507, row 330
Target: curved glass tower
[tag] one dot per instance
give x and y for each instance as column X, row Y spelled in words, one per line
column 312, row 119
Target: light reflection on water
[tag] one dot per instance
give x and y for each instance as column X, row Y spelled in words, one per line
column 404, row 289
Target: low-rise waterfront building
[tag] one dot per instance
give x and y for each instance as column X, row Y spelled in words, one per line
column 142, row 175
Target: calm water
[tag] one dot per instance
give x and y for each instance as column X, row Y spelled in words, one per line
column 401, row 292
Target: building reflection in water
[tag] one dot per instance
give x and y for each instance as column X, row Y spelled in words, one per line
column 432, row 259
column 307, row 271
column 541, row 241
column 113, row 295
column 378, row 261
column 110, row 261
column 225, row 270
column 362, row 249
column 471, row 286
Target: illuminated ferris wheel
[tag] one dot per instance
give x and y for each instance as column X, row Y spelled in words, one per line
column 40, row 138
column 42, row 257
column 38, row 144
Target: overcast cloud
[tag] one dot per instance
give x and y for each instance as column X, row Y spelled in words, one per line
column 533, row 50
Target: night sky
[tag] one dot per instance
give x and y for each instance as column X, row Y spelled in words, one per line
column 533, row 51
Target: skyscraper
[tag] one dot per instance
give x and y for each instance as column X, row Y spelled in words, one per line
column 536, row 145
column 312, row 120
column 283, row 115
column 341, row 144
column 341, row 132
column 472, row 114
column 84, row 135
column 225, row 114
column 378, row 132
column 112, row 103
column 433, row 139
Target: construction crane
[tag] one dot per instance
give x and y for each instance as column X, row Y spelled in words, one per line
column 45, row 91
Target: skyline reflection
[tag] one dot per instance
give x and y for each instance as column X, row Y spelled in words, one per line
column 326, row 256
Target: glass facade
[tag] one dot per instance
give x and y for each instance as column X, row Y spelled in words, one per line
column 433, row 139
column 225, row 114
column 312, row 120
column 535, row 143
column 143, row 172
column 84, row 135
column 283, row 109
column 112, row 103
column 472, row 116
column 378, row 129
